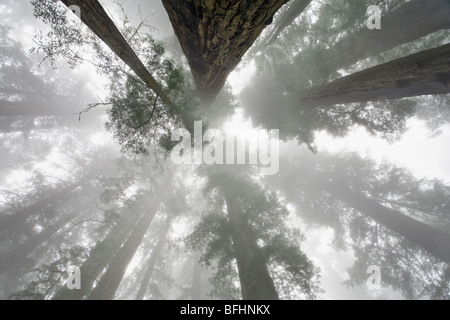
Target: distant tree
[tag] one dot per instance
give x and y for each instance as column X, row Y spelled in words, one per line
column 249, row 240
column 349, row 195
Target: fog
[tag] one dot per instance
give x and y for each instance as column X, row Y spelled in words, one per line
column 156, row 150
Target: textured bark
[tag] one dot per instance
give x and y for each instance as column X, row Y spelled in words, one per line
column 423, row 73
column 96, row 19
column 412, row 21
column 435, row 241
column 296, row 9
column 256, row 282
column 215, row 35
column 110, row 281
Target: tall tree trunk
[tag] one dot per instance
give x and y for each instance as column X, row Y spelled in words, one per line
column 151, row 263
column 110, row 281
column 215, row 35
column 423, row 73
column 256, row 282
column 296, row 9
column 434, row 241
column 96, row 18
column 413, row 20
column 100, row 256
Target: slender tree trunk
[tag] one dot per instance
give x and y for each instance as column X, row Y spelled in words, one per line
column 423, row 73
column 110, row 281
column 215, row 35
column 413, row 20
column 434, row 241
column 296, row 9
column 96, row 19
column 100, row 256
column 151, row 263
column 256, row 282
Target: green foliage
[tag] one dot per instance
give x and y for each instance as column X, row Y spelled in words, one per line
column 138, row 119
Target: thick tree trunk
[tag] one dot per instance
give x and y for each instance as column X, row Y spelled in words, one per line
column 412, row 21
column 423, row 73
column 110, row 281
column 434, row 241
column 256, row 282
column 151, row 263
column 96, row 19
column 215, row 35
column 296, row 9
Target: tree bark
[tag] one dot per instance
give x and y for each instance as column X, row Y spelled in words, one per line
column 256, row 282
column 215, row 35
column 412, row 21
column 423, row 73
column 96, row 19
column 110, row 281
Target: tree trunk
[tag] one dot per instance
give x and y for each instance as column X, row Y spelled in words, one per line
column 110, row 281
column 412, row 21
column 100, row 256
column 256, row 282
column 288, row 17
column 215, row 35
column 434, row 241
column 96, row 19
column 423, row 73
column 151, row 263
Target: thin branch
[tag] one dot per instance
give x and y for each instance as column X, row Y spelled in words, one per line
column 92, row 106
